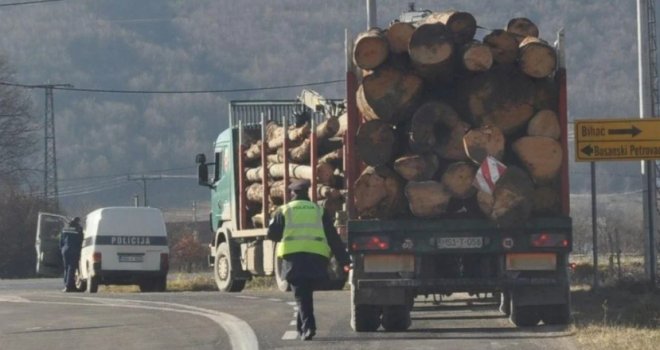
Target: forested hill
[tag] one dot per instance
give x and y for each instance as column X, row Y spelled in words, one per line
column 223, row 44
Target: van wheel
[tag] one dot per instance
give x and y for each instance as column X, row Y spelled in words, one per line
column 81, row 284
column 92, row 284
column 223, row 271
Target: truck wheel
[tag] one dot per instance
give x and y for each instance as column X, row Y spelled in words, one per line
column 223, row 273
column 92, row 284
column 556, row 314
column 396, row 318
column 282, row 284
column 505, row 303
column 524, row 316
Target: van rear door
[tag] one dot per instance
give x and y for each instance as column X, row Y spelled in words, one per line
column 47, row 244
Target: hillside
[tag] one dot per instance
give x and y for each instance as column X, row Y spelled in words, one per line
column 221, row 44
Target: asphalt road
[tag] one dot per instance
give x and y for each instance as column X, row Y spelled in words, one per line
column 35, row 315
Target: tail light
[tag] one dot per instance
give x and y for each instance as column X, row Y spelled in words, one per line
column 164, row 261
column 549, row 240
column 374, row 242
column 96, row 257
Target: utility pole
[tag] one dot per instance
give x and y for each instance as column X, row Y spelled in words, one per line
column 648, row 99
column 144, row 179
column 51, row 192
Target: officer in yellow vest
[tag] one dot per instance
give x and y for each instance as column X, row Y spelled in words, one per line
column 307, row 239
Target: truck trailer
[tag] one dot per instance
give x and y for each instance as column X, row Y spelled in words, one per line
column 397, row 257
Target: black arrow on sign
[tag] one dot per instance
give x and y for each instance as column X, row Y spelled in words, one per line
column 633, row 131
column 588, row 150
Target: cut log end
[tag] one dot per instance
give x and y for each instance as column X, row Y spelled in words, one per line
column 503, row 45
column 522, row 27
column 371, row 49
column 537, row 58
column 542, row 157
column 483, row 142
column 544, row 123
column 427, row 198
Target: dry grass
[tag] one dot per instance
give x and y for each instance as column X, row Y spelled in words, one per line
column 621, row 316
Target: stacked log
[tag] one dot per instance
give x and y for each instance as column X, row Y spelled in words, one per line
column 328, row 172
column 441, row 104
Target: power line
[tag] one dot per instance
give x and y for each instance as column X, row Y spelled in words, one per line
column 124, row 174
column 212, row 91
column 27, row 3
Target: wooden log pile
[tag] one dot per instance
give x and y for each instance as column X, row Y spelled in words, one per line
column 329, row 167
column 436, row 102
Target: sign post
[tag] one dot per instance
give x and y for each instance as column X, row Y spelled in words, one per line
column 622, row 139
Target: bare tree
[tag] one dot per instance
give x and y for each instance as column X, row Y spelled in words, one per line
column 17, row 126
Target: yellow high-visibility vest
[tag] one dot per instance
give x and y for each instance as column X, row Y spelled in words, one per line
column 303, row 229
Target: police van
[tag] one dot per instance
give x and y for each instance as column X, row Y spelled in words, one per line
column 124, row 245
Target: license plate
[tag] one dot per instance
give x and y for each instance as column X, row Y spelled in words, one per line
column 460, row 242
column 131, row 258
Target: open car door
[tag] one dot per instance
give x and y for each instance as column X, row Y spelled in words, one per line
column 47, row 243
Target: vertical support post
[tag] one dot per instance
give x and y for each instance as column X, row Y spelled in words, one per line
column 242, row 200
column 372, row 17
column 51, row 192
column 352, row 119
column 560, row 79
column 264, row 171
column 645, row 111
column 285, row 148
column 313, row 157
column 594, row 224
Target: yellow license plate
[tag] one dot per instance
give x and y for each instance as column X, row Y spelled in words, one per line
column 531, row 261
column 389, row 263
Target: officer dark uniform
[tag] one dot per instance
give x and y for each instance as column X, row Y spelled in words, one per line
column 70, row 245
column 307, row 239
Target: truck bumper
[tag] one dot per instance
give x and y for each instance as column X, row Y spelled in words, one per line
column 458, row 285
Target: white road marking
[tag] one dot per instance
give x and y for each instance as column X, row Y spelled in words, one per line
column 241, row 335
column 292, row 323
column 12, row 299
column 292, row 303
column 246, row 297
column 290, row 335
column 274, row 299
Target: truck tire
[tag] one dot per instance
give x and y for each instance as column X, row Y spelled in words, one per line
column 364, row 318
column 556, row 314
column 160, row 284
column 282, row 284
column 223, row 271
column 92, row 284
column 524, row 316
column 396, row 318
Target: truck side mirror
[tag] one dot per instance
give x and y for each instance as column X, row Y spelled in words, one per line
column 202, row 170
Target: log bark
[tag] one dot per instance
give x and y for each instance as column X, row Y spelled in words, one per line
column 343, row 125
column 512, row 198
column 379, row 193
column 431, row 49
column 541, row 156
column 476, row 57
column 389, row 95
column 398, row 36
column 276, row 171
column 334, row 158
column 417, row 167
column 332, row 205
column 436, row 127
column 546, row 200
column 483, row 142
column 253, row 152
column 544, row 123
column 254, row 192
column 503, row 45
column 522, row 27
column 328, row 128
column 545, row 94
column 461, row 25
column 458, row 179
column 537, row 58
column 427, row 198
column 275, row 134
column 370, row 49
column 374, row 142
column 501, row 97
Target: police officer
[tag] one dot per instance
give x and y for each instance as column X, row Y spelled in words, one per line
column 70, row 245
column 307, row 239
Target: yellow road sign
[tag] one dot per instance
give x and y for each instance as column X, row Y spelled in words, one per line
column 617, row 139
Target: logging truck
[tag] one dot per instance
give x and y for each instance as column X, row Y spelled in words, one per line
column 451, row 174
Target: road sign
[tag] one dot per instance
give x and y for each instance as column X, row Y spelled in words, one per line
column 617, row 139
